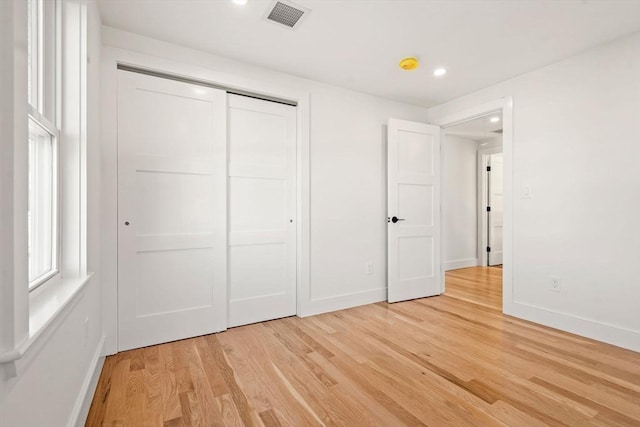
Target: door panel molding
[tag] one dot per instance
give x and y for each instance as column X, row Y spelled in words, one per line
column 172, row 258
column 262, row 211
column 413, row 224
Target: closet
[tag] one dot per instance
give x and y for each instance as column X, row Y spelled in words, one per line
column 206, row 209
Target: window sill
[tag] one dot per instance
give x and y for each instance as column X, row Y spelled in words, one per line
column 46, row 305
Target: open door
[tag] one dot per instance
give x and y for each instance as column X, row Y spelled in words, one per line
column 494, row 254
column 413, row 209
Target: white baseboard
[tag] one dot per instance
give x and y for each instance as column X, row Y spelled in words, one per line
column 85, row 396
column 340, row 302
column 584, row 327
column 460, row 263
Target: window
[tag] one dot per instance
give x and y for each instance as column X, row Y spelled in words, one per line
column 41, row 215
column 44, row 131
column 49, row 167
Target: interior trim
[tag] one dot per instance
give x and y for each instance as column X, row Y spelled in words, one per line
column 234, row 91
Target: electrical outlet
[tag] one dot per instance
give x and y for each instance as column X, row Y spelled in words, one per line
column 369, row 269
column 555, row 284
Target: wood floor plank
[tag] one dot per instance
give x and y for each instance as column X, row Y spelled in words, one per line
column 230, row 415
column 116, row 403
column 171, row 407
column 269, row 418
column 237, row 395
column 216, row 382
column 451, row 360
column 258, row 379
column 210, row 414
column 137, row 401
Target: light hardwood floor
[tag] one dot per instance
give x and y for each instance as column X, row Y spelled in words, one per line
column 477, row 285
column 441, row 361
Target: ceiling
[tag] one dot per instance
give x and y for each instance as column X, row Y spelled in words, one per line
column 358, row 43
column 478, row 129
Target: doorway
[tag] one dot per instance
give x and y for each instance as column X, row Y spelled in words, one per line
column 473, row 205
column 207, row 210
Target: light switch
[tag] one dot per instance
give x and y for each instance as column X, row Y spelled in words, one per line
column 526, row 191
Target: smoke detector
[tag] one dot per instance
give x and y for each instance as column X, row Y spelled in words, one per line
column 409, row 63
column 286, row 13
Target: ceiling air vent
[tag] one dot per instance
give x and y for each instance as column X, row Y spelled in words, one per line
column 286, row 13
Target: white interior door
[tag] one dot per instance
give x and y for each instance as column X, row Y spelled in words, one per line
column 262, row 210
column 413, row 174
column 495, row 215
column 171, row 210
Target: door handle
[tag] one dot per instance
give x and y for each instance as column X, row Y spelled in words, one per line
column 396, row 219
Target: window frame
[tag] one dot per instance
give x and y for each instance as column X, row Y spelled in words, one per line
column 46, row 113
column 32, row 317
column 55, row 210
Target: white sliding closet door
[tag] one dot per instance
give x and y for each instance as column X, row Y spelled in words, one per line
column 262, row 210
column 171, row 210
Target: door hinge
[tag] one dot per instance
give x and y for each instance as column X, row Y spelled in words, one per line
column 488, row 249
column 488, row 208
column 488, row 168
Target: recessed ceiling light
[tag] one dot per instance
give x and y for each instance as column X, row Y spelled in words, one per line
column 239, row 2
column 439, row 72
column 494, row 119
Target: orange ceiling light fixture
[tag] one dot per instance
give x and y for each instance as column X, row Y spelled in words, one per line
column 409, row 63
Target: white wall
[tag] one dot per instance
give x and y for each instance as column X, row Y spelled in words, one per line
column 495, row 141
column 348, row 196
column 459, row 202
column 577, row 144
column 347, row 173
column 54, row 373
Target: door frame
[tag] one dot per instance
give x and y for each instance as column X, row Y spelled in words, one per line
column 111, row 58
column 506, row 106
column 483, row 202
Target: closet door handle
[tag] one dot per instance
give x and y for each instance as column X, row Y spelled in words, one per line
column 396, row 219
